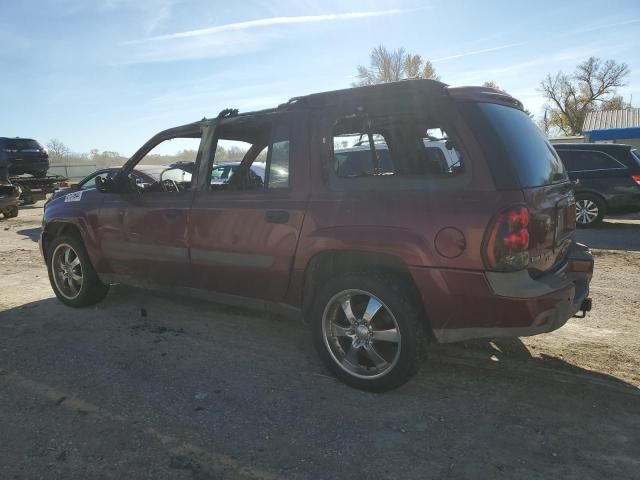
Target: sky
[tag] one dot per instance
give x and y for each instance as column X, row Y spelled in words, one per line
column 109, row 74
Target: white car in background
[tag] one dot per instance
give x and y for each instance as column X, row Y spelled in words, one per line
column 357, row 160
column 220, row 174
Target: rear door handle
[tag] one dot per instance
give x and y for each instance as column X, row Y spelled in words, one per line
column 277, row 216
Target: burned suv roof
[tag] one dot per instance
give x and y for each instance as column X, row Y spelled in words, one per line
column 382, row 94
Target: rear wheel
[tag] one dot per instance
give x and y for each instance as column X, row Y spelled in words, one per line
column 10, row 212
column 72, row 276
column 367, row 331
column 589, row 210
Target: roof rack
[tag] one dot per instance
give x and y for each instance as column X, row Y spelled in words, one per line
column 227, row 112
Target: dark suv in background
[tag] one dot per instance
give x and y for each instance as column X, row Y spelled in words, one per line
column 24, row 155
column 606, row 177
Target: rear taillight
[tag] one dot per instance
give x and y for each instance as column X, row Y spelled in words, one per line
column 636, row 178
column 506, row 244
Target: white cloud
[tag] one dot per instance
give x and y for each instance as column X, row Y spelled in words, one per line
column 212, row 46
column 226, row 40
column 158, row 15
column 511, row 70
column 478, row 52
column 268, row 22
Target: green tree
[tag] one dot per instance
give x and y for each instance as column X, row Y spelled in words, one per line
column 386, row 66
column 592, row 86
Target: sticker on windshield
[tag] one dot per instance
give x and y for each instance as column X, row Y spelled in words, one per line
column 73, row 197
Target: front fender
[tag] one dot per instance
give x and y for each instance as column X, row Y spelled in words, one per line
column 81, row 215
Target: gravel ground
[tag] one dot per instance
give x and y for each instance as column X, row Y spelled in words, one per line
column 145, row 386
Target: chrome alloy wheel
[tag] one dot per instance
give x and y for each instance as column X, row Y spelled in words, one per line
column 361, row 334
column 67, row 271
column 586, row 211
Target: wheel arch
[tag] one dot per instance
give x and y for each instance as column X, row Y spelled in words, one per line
column 326, row 264
column 595, row 193
column 55, row 229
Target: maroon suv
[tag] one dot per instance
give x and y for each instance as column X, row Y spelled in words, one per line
column 455, row 221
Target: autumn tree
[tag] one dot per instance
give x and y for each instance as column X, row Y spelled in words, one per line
column 592, row 86
column 386, row 66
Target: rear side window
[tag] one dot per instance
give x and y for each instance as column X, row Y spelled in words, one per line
column 357, row 162
column 514, row 146
column 394, row 152
column 278, row 165
column 588, row 160
column 261, row 147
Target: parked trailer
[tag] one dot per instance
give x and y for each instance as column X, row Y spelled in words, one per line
column 34, row 189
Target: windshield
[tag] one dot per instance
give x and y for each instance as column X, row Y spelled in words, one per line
column 514, row 146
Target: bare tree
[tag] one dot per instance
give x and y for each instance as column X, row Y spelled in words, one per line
column 491, row 84
column 591, row 87
column 57, row 149
column 386, row 66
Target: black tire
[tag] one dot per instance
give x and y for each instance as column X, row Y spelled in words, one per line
column 590, row 210
column 91, row 289
column 398, row 306
column 11, row 211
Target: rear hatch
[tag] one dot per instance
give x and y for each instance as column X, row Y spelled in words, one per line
column 7, row 191
column 24, row 150
column 520, row 157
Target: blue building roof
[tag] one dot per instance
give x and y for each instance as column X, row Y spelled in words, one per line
column 614, row 134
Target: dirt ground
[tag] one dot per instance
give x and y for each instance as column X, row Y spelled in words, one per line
column 145, row 386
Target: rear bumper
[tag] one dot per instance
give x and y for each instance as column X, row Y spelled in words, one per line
column 8, row 201
column 463, row 305
column 9, row 196
column 28, row 166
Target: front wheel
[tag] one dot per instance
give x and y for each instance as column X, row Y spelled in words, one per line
column 367, row 330
column 72, row 276
column 589, row 210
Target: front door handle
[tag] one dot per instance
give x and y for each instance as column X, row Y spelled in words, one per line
column 277, row 216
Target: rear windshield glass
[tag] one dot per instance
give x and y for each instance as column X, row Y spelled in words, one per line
column 512, row 141
column 22, row 144
column 636, row 153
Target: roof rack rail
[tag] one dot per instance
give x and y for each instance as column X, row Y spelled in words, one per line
column 291, row 101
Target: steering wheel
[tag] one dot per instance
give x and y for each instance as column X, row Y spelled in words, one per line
column 170, row 186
